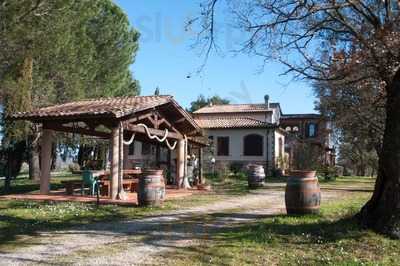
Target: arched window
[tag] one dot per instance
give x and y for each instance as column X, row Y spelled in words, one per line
column 296, row 129
column 288, row 129
column 253, row 145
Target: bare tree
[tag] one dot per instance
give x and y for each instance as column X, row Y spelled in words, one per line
column 310, row 37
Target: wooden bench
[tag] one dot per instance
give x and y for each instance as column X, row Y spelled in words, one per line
column 71, row 185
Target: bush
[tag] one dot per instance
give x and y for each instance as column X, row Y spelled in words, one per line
column 212, row 176
column 240, row 175
column 74, row 167
column 329, row 173
column 236, row 167
column 276, row 172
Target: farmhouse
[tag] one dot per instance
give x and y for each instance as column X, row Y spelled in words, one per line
column 242, row 134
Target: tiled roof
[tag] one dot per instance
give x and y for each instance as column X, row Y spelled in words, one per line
column 114, row 107
column 236, row 108
column 231, row 122
column 301, row 116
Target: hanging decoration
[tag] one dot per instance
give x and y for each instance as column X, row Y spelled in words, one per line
column 163, row 139
column 154, row 137
column 130, row 141
column 169, row 145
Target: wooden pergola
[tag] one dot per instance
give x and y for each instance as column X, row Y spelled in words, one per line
column 157, row 119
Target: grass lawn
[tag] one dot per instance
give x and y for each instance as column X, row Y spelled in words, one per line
column 331, row 238
column 350, row 183
column 19, row 218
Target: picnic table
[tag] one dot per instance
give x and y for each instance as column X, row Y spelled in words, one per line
column 130, row 181
column 127, row 174
column 128, row 184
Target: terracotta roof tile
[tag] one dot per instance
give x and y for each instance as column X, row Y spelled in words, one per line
column 236, row 108
column 115, row 107
column 231, row 122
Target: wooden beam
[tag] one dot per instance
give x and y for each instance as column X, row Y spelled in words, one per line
column 153, row 131
column 139, row 118
column 165, row 121
column 180, row 120
column 83, row 131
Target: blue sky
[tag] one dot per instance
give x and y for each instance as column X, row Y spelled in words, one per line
column 166, row 57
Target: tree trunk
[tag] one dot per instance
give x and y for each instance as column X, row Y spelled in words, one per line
column 34, row 163
column 382, row 211
column 34, row 156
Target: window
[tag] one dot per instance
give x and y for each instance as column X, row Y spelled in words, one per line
column 296, row 129
column 312, row 130
column 223, row 146
column 131, row 148
column 253, row 145
column 288, row 129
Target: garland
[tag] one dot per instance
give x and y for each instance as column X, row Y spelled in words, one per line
column 163, row 139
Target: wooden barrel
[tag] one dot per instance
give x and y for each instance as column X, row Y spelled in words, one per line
column 151, row 188
column 255, row 176
column 303, row 194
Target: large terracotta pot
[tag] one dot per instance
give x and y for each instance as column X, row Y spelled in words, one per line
column 303, row 193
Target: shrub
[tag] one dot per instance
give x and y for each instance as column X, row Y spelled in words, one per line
column 276, row 172
column 329, row 173
column 236, row 167
column 212, row 176
column 74, row 167
column 240, row 175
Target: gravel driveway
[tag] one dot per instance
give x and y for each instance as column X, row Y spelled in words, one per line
column 137, row 242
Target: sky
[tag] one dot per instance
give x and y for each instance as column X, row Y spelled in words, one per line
column 167, row 59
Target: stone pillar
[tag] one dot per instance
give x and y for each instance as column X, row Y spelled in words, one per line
column 115, row 137
column 45, row 164
column 180, row 162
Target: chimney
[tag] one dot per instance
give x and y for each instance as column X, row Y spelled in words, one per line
column 266, row 99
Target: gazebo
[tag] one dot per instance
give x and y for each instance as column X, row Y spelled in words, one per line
column 156, row 119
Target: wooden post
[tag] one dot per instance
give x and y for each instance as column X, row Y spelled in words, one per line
column 121, row 192
column 201, row 165
column 180, row 162
column 47, row 140
column 115, row 136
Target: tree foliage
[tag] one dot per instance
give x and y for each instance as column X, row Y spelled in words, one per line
column 202, row 101
column 79, row 48
column 358, row 117
column 74, row 50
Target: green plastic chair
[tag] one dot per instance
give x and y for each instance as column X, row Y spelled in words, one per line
column 89, row 180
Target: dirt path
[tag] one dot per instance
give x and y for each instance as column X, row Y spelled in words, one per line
column 136, row 242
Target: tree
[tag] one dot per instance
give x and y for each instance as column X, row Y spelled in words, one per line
column 79, row 49
column 202, row 101
column 157, row 91
column 311, row 37
column 358, row 117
